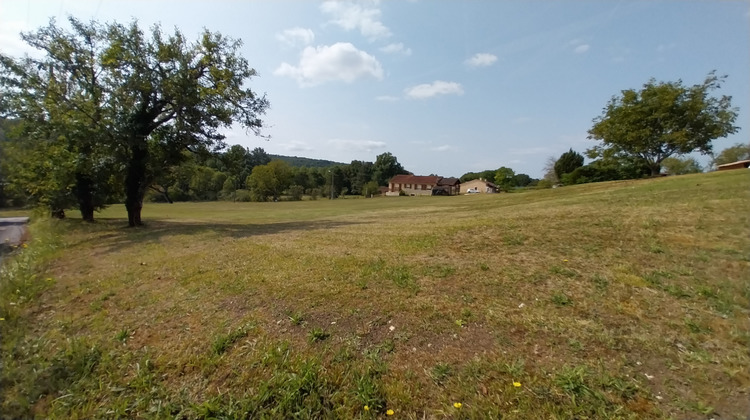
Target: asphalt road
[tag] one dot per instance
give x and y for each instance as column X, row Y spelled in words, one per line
column 12, row 231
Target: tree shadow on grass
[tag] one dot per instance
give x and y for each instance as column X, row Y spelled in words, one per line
column 111, row 235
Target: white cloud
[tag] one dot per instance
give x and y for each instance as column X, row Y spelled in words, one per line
column 396, row 49
column 481, row 60
column 429, row 90
column 387, row 98
column 357, row 145
column 350, row 16
column 581, row 48
column 296, row 36
column 296, row 146
column 341, row 61
column 443, row 148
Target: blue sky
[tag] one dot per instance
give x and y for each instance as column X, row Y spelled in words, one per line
column 447, row 86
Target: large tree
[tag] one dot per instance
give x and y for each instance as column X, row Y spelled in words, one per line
column 386, row 167
column 57, row 100
column 504, row 178
column 663, row 119
column 126, row 92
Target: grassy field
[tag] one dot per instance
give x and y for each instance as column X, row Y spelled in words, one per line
column 614, row 300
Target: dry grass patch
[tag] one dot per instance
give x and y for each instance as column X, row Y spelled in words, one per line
column 615, row 300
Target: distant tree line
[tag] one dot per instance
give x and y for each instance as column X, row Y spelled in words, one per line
column 235, row 174
column 505, row 178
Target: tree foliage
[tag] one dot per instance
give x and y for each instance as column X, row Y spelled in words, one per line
column 268, row 182
column 118, row 94
column 386, row 167
column 567, row 163
column 663, row 119
column 504, row 178
column 732, row 154
column 681, row 166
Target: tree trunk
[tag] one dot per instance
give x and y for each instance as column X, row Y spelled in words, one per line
column 57, row 213
column 166, row 195
column 655, row 169
column 85, row 196
column 135, row 183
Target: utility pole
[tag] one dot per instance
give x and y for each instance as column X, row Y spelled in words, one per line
column 331, row 171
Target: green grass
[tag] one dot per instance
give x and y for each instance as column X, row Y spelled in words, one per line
column 614, row 300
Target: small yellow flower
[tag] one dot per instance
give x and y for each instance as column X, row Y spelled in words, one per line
column 389, row 412
column 25, row 246
column 367, row 408
column 517, row 384
column 2, row 319
column 457, row 404
column 565, row 260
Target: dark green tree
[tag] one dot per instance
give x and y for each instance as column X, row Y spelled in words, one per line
column 504, row 178
column 386, row 167
column 567, row 163
column 663, row 119
column 522, row 180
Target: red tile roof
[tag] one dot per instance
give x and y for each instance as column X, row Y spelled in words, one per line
column 414, row 179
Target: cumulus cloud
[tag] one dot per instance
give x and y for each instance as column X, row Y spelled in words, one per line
column 581, row 49
column 296, row 36
column 357, row 145
column 350, row 16
column 341, row 61
column 429, row 90
column 396, row 49
column 481, row 60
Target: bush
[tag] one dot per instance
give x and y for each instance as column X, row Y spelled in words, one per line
column 295, row 193
column 243, row 196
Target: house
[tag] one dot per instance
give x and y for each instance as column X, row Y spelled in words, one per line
column 422, row 185
column 740, row 164
column 478, row 185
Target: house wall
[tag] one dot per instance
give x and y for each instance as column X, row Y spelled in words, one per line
column 481, row 186
column 410, row 189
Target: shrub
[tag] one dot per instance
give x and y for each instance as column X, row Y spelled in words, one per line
column 242, row 195
column 295, row 193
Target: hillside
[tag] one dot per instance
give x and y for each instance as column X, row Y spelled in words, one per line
column 305, row 162
column 613, row 300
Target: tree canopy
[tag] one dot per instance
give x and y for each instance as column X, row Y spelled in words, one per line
column 732, row 154
column 386, row 167
column 112, row 94
column 681, row 166
column 567, row 163
column 663, row 119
